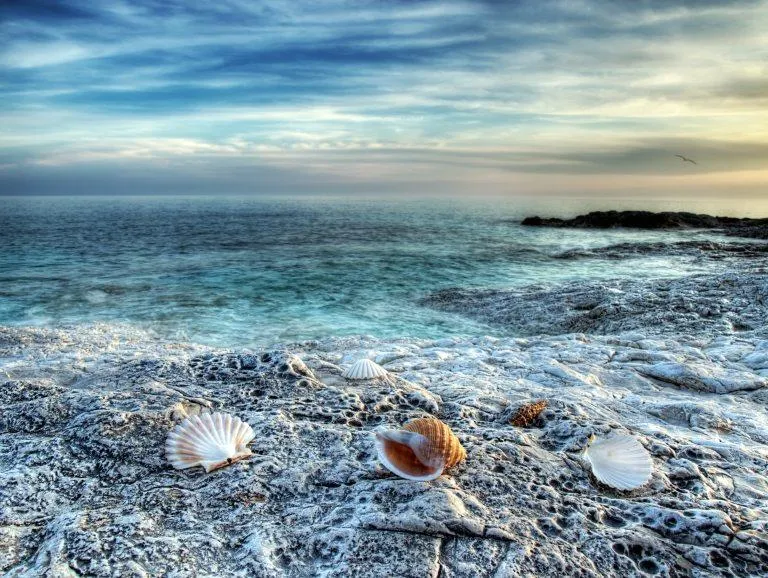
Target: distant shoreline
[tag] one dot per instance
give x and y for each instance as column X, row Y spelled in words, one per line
column 733, row 226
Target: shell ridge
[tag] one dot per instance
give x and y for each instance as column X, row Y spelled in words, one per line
column 217, row 424
column 233, row 428
column 213, row 423
column 245, row 436
column 238, row 434
column 227, row 438
column 228, row 429
column 196, row 431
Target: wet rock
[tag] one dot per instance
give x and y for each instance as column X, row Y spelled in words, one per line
column 735, row 302
column 704, row 377
column 757, row 228
column 713, row 250
column 85, row 488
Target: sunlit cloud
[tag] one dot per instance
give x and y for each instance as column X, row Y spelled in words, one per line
column 384, row 96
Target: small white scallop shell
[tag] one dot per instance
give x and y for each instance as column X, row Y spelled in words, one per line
column 211, row 440
column 365, row 369
column 619, row 461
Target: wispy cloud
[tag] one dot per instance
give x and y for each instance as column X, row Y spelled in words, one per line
column 381, row 95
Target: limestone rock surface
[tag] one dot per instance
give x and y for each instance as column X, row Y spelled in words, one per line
column 85, row 489
column 731, row 303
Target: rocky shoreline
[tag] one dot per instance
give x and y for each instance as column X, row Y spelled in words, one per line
column 697, row 250
column 731, row 303
column 85, row 489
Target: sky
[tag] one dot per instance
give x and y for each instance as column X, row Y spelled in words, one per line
column 564, row 98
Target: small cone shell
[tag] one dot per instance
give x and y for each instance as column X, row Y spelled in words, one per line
column 528, row 413
column 421, row 450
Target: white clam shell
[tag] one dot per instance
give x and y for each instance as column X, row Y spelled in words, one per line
column 365, row 369
column 620, row 461
column 211, row 440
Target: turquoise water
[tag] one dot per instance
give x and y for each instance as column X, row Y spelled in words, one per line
column 248, row 271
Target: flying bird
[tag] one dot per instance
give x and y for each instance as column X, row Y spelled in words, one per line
column 687, row 160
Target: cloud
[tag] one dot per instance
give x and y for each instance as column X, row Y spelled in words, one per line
column 585, row 87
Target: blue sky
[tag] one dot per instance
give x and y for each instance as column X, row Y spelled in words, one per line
column 589, row 98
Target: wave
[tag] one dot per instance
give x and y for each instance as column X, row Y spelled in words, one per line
column 703, row 248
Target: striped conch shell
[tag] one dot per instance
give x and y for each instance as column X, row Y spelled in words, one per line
column 421, row 450
column 210, row 440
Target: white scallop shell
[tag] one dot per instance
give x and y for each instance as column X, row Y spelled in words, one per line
column 365, row 369
column 619, row 461
column 210, row 440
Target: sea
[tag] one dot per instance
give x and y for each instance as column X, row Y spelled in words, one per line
column 250, row 271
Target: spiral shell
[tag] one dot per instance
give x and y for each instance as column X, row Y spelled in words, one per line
column 619, row 461
column 528, row 413
column 365, row 369
column 421, row 450
column 210, row 440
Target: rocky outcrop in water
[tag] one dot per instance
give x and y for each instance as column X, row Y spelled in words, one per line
column 729, row 303
column 698, row 250
column 755, row 228
column 85, row 489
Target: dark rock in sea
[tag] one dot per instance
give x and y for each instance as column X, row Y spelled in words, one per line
column 754, row 228
column 757, row 231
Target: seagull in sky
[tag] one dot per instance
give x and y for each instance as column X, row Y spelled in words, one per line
column 687, row 160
